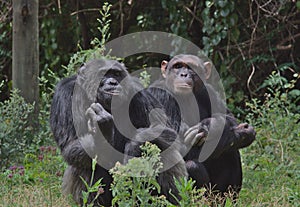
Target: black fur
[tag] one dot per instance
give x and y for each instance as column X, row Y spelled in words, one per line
column 222, row 170
column 93, row 106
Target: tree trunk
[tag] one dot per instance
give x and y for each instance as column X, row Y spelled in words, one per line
column 25, row 54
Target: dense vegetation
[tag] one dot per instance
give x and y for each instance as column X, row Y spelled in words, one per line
column 255, row 46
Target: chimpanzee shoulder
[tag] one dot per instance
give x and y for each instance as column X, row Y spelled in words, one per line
column 61, row 111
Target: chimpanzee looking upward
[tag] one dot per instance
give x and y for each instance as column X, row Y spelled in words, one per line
column 84, row 101
column 184, row 79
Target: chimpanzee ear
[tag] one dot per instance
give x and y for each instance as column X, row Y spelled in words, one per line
column 207, row 67
column 163, row 67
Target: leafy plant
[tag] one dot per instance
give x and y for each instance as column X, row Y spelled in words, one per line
column 218, row 19
column 91, row 188
column 34, row 182
column 190, row 196
column 272, row 160
column 145, row 78
column 98, row 49
column 134, row 182
column 15, row 134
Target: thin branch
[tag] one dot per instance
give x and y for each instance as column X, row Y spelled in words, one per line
column 121, row 18
column 251, row 43
column 85, row 10
column 281, row 45
column 59, row 6
column 193, row 14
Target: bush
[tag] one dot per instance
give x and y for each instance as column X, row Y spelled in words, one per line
column 15, row 134
column 134, row 182
column 277, row 117
column 35, row 182
column 271, row 163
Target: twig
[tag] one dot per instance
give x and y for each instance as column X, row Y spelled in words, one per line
column 281, row 45
column 121, row 18
column 59, row 6
column 85, row 10
column 249, row 79
column 193, row 14
column 251, row 43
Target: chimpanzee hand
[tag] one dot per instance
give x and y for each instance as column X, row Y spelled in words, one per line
column 245, row 134
column 98, row 116
column 197, row 134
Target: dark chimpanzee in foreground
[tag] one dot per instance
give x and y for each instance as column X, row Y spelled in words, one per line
column 184, row 80
column 82, row 103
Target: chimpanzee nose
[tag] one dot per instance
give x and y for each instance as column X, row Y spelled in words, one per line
column 112, row 81
column 183, row 74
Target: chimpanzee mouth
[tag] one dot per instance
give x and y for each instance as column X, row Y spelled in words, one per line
column 113, row 92
column 188, row 86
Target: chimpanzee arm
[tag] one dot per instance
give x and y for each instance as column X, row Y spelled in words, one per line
column 234, row 136
column 62, row 126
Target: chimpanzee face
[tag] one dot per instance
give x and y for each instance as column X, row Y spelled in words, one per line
column 101, row 79
column 110, row 86
column 183, row 73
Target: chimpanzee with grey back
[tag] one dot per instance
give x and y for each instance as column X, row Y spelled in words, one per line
column 82, row 104
column 184, row 78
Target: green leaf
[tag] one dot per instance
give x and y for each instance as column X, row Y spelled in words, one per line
column 94, row 163
column 295, row 93
column 298, row 5
column 223, row 33
column 205, row 40
column 224, row 12
column 85, row 183
column 216, row 14
column 218, row 27
column 155, row 184
column 216, row 40
column 233, row 19
column 222, row 3
column 235, row 33
column 85, row 196
column 209, row 3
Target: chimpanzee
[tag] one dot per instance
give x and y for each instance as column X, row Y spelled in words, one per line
column 205, row 124
column 84, row 102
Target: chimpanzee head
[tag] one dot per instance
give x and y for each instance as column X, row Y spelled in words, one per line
column 185, row 73
column 106, row 75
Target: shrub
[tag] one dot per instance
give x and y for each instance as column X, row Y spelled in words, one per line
column 35, row 182
column 271, row 163
column 15, row 134
column 134, row 182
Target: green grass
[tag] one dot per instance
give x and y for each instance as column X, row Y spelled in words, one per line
column 271, row 167
column 32, row 195
column 37, row 182
column 271, row 178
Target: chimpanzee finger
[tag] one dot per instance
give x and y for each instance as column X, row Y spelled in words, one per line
column 191, row 129
column 90, row 113
column 189, row 138
column 91, row 126
column 200, row 138
column 92, row 118
column 97, row 108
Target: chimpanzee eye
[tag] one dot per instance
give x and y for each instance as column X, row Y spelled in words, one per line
column 117, row 73
column 178, row 65
column 113, row 73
